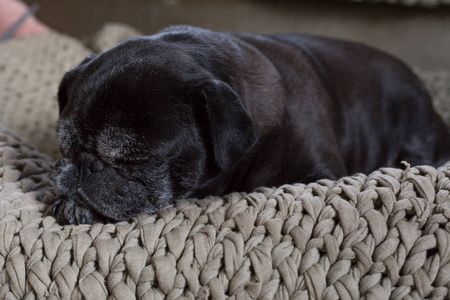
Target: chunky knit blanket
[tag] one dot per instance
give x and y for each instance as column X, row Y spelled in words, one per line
column 378, row 236
column 375, row 236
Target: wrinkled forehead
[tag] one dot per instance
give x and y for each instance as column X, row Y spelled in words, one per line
column 111, row 142
column 116, row 142
column 119, row 143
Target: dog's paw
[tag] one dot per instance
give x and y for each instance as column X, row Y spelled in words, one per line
column 67, row 211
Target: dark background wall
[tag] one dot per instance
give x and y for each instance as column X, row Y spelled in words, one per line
column 419, row 36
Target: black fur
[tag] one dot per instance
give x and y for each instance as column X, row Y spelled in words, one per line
column 190, row 112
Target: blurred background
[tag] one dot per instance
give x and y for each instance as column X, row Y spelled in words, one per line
column 420, row 36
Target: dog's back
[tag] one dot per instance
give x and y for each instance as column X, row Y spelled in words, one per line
column 380, row 112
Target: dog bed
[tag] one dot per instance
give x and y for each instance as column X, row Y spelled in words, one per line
column 385, row 235
column 377, row 236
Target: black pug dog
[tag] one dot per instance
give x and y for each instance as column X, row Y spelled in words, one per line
column 189, row 113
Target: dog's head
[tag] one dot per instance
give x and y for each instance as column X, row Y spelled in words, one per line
column 142, row 125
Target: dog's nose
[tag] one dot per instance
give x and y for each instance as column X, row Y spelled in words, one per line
column 90, row 163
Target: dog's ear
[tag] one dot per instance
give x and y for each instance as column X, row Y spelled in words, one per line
column 67, row 81
column 230, row 130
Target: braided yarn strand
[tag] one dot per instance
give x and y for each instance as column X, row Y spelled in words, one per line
column 385, row 235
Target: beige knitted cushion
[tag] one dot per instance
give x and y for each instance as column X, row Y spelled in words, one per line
column 110, row 35
column 30, row 71
column 381, row 236
column 438, row 84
